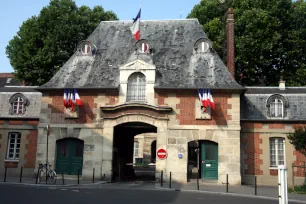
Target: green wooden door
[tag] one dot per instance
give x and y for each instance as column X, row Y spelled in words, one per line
column 69, row 156
column 209, row 157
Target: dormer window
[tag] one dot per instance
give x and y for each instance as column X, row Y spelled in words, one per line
column 277, row 109
column 18, row 104
column 202, row 45
column 136, row 90
column 277, row 106
column 86, row 49
column 143, row 46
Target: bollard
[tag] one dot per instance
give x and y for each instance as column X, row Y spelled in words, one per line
column 161, row 178
column 170, row 180
column 93, row 176
column 198, row 186
column 63, row 180
column 78, row 176
column 46, row 174
column 4, row 180
column 20, row 179
column 227, row 183
column 37, row 175
column 255, row 185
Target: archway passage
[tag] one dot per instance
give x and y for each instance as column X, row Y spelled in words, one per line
column 203, row 160
column 124, row 167
column 69, row 157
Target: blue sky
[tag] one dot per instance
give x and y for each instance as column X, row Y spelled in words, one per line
column 14, row 12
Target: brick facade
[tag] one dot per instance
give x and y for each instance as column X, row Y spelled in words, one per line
column 86, row 112
column 187, row 109
column 253, row 151
column 31, row 147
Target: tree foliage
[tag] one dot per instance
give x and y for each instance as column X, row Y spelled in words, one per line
column 298, row 139
column 45, row 42
column 270, row 38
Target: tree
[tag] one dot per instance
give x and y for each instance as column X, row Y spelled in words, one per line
column 270, row 39
column 45, row 42
column 298, row 139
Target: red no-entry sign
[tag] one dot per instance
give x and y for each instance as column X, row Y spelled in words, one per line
column 161, row 153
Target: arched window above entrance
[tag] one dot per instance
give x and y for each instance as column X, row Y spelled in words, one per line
column 136, row 90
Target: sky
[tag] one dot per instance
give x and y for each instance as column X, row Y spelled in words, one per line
column 14, row 12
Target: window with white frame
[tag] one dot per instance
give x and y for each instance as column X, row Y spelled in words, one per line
column 277, row 152
column 136, row 90
column 13, row 148
column 136, row 149
column 277, row 108
column 18, row 106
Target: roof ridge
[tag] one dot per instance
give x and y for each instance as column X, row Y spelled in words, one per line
column 163, row 20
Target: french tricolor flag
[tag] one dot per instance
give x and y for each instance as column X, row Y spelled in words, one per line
column 77, row 98
column 135, row 28
column 65, row 98
column 206, row 98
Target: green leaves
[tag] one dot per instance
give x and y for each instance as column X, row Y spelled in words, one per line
column 298, row 139
column 269, row 37
column 45, row 42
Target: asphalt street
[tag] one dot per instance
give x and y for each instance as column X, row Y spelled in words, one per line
column 115, row 195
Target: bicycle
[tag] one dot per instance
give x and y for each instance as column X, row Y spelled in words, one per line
column 51, row 174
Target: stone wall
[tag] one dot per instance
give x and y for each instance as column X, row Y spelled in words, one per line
column 223, row 128
column 86, row 125
column 255, row 139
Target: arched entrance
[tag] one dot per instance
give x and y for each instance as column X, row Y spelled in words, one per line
column 123, row 165
column 203, row 160
column 69, row 156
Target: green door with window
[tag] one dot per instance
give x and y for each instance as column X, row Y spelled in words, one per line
column 209, row 160
column 69, row 156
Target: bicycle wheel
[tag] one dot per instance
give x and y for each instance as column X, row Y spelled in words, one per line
column 41, row 176
column 52, row 177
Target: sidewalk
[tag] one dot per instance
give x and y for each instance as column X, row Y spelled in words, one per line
column 245, row 190
column 59, row 182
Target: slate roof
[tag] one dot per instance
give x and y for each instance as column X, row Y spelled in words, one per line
column 254, row 101
column 6, row 79
column 172, row 42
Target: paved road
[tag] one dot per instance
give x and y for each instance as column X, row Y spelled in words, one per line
column 109, row 194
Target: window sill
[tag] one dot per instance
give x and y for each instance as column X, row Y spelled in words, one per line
column 11, row 160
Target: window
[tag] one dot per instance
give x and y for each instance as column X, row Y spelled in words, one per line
column 136, row 90
column 277, row 149
column 277, row 108
column 13, row 148
column 144, row 47
column 136, row 149
column 18, row 106
column 277, row 105
column 204, row 46
column 86, row 49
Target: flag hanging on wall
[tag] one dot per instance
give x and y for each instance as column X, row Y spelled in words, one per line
column 135, row 28
column 72, row 98
column 206, row 98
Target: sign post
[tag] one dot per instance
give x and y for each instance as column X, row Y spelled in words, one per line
column 282, row 185
column 161, row 154
column 48, row 133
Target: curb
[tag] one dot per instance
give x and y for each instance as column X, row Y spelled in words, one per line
column 228, row 194
column 50, row 185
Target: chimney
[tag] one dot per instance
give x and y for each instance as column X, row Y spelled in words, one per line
column 230, row 41
column 282, row 84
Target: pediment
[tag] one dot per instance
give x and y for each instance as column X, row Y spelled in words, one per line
column 137, row 65
column 160, row 112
